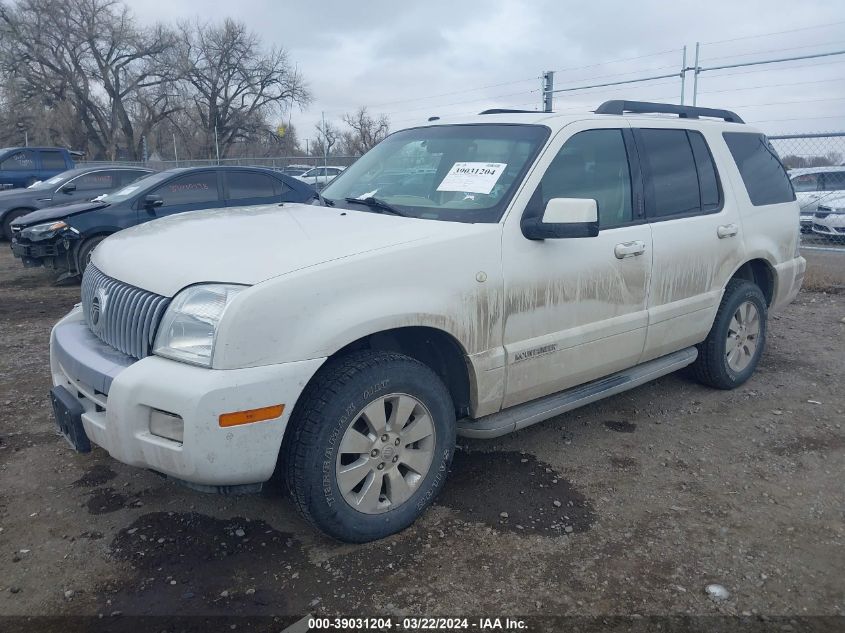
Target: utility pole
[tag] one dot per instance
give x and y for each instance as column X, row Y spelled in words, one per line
column 175, row 153
column 216, row 144
column 325, row 142
column 26, row 139
column 548, row 90
column 695, row 78
column 683, row 73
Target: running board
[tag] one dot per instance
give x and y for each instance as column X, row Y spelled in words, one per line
column 523, row 415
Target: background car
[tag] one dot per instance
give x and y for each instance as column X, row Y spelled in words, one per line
column 319, row 177
column 63, row 237
column 295, row 170
column 23, row 166
column 814, row 186
column 829, row 218
column 74, row 185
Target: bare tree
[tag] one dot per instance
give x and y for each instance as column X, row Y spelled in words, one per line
column 365, row 131
column 232, row 82
column 327, row 137
column 90, row 55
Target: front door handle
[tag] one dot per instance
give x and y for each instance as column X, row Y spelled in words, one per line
column 629, row 249
column 727, row 230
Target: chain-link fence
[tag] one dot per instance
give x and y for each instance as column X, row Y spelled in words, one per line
column 816, row 164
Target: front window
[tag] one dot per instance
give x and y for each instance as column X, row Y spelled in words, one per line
column 459, row 173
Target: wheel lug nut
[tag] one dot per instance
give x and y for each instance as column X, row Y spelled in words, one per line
column 381, row 466
column 374, row 452
column 384, row 438
column 395, row 458
column 397, row 441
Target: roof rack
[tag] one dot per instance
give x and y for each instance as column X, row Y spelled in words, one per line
column 684, row 112
column 507, row 111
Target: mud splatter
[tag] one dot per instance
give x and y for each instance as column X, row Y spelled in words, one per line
column 96, row 476
column 536, row 499
column 620, row 426
column 105, row 501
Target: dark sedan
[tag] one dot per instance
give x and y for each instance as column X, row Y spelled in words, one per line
column 74, row 185
column 64, row 237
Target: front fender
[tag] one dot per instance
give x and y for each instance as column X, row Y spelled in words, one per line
column 314, row 312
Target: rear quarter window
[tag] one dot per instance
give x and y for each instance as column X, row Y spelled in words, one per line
column 762, row 172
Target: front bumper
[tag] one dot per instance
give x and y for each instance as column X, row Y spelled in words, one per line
column 51, row 253
column 832, row 224
column 119, row 394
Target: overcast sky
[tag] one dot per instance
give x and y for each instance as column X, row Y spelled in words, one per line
column 414, row 60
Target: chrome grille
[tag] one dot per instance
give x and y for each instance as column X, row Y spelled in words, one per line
column 123, row 316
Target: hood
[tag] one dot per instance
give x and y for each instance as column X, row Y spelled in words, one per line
column 248, row 245
column 56, row 213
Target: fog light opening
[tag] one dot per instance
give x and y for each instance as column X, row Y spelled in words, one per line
column 167, row 425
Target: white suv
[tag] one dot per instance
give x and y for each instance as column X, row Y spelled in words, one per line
column 530, row 263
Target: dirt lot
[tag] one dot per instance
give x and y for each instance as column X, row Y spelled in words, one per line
column 629, row 506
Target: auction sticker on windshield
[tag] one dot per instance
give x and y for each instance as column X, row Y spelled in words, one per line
column 472, row 177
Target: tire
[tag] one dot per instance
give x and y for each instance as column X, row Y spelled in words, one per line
column 10, row 217
column 85, row 251
column 732, row 349
column 340, row 410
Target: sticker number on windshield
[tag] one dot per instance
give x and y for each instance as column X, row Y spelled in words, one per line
column 472, row 177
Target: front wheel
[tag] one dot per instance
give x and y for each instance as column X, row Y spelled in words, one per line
column 730, row 353
column 86, row 250
column 369, row 445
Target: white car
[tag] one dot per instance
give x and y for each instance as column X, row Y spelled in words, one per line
column 814, row 186
column 829, row 218
column 550, row 261
column 319, row 177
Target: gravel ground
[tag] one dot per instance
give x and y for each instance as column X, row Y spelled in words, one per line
column 629, row 506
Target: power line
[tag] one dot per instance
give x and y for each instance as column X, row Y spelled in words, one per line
column 767, row 69
column 757, row 87
column 615, row 61
column 773, row 50
column 751, row 37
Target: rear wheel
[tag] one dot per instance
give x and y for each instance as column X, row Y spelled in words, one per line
column 730, row 353
column 86, row 249
column 369, row 445
column 9, row 218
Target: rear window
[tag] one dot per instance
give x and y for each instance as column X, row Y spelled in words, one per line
column 834, row 180
column 759, row 165
column 246, row 185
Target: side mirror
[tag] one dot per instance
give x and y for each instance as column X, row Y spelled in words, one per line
column 151, row 201
column 68, row 188
column 564, row 217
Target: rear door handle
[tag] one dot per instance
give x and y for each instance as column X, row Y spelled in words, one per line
column 629, row 249
column 727, row 230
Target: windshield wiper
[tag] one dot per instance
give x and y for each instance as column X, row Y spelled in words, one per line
column 377, row 203
column 324, row 201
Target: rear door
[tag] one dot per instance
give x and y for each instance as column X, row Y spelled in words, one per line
column 190, row 192
column 696, row 231
column 52, row 163
column 252, row 187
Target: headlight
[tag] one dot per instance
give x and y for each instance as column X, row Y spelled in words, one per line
column 43, row 231
column 189, row 325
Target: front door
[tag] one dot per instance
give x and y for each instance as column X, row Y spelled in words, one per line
column 575, row 309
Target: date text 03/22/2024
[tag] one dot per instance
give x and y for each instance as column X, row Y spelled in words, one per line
column 418, row 624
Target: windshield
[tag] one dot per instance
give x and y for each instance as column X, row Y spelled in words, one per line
column 54, row 182
column 459, row 173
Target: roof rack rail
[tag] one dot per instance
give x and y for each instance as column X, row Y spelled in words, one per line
column 507, row 111
column 684, row 112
